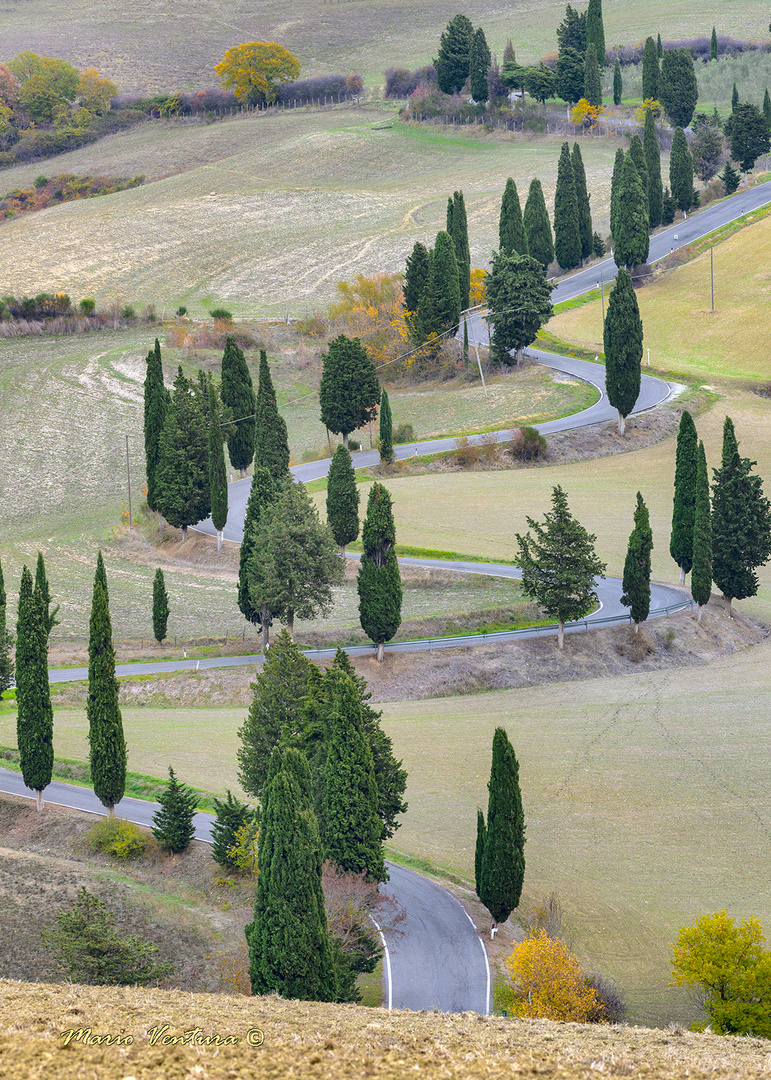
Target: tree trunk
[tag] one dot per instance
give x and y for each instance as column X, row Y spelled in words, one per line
column 111, row 811
column 265, row 635
column 682, row 576
column 380, row 648
column 39, row 800
column 561, row 634
column 698, row 613
column 184, row 533
column 342, row 552
column 219, row 539
column 621, row 424
column 345, row 439
column 329, row 442
column 243, row 473
column 518, row 356
column 728, row 600
column 637, row 628
column 290, row 622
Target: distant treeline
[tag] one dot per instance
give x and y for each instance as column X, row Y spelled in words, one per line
column 62, row 188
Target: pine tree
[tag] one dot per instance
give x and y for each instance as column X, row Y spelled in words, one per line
column 415, row 277
column 379, row 584
column 623, row 339
column 6, row 641
column 457, row 227
column 479, row 851
column 570, row 75
column 638, row 157
column 767, row 107
column 350, row 392
column 230, row 817
column 518, row 299
column 686, row 456
column 734, row 98
column 160, row 606
column 748, row 135
column 43, row 594
column 352, row 832
column 571, row 32
column 182, row 474
column 386, row 429
column 511, row 230
column 653, row 167
column 650, row 71
column 343, row 498
column 237, row 393
column 107, row 746
column 262, row 494
column 741, row 523
column 595, row 30
column 731, row 178
column 637, row 566
column 713, row 45
column 615, row 190
column 535, row 219
column 509, row 56
column 681, row 171
column 677, row 88
column 173, row 826
column 34, row 717
column 559, row 564
column 631, row 224
column 701, row 570
column 582, row 199
column 567, row 238
column 592, row 78
column 452, row 63
column 218, row 480
column 479, row 62
column 157, row 401
column 618, row 83
column 271, row 445
column 503, row 861
column 290, row 951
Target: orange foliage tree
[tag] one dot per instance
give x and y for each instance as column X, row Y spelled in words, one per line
column 371, row 309
column 547, row 982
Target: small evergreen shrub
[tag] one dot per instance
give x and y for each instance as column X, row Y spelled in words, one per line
column 87, row 306
column 117, row 837
column 404, row 433
column 221, row 314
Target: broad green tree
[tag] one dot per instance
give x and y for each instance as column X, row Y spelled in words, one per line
column 541, row 84
column 653, row 169
column 160, row 606
column 343, row 498
column 452, row 63
column 350, row 391
column 271, row 445
column 518, row 299
column 511, row 229
column 503, row 860
column 623, row 340
column 157, row 400
column 706, row 150
column 741, row 522
column 540, row 244
column 592, row 78
column 637, row 566
column 255, row 69
column 701, row 570
column 681, row 171
column 559, row 564
column 386, row 429
column 570, row 75
column 479, row 62
column 107, row 745
column 595, row 30
column 173, row 825
column 237, row 393
column 262, row 494
column 182, row 475
column 567, row 237
column 677, row 88
column 218, row 477
column 379, row 584
column 457, row 227
column 43, row 594
column 631, row 223
column 582, row 201
column 650, row 71
column 34, row 716
column 686, row 456
column 748, row 134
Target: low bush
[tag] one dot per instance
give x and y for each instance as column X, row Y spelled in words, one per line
column 343, row 87
column 467, row 454
column 528, row 445
column 404, row 433
column 221, row 314
column 611, row 1004
column 400, row 82
column 117, row 837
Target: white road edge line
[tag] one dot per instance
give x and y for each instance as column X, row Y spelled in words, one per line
column 387, row 955
column 487, row 962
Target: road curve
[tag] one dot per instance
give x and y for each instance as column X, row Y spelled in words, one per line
column 437, row 959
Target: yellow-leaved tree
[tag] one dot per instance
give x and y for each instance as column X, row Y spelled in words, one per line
column 252, row 70
column 95, row 91
column 370, row 308
column 547, row 982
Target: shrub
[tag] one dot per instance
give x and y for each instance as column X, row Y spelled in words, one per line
column 128, row 312
column 221, row 314
column 353, row 444
column 87, row 306
column 528, row 445
column 181, row 312
column 117, row 837
column 404, row 433
column 231, row 816
column 314, row 89
column 466, row 452
column 547, row 982
column 401, row 83
column 244, row 850
column 611, row 1005
column 41, row 181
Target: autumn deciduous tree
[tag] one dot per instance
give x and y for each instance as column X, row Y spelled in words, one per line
column 252, row 70
column 547, row 981
column 95, row 91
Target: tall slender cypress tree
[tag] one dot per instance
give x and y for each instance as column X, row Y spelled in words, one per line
column 540, row 244
column 637, row 155
column 237, row 392
column 767, row 107
column 637, row 566
column 262, row 494
column 160, row 606
column 157, row 401
column 43, row 593
column 595, row 30
column 503, row 862
column 631, row 225
column 623, row 338
column 218, row 479
column 290, row 951
column 567, row 237
column 734, row 98
column 659, row 47
column 511, row 229
column 701, row 570
column 592, row 78
column 615, row 191
column 713, row 45
column 681, row 171
column 386, row 429
column 107, row 746
column 6, row 641
column 618, row 83
column 681, row 537
column 447, row 296
column 342, row 498
column 741, row 522
column 653, row 167
column 415, row 276
column 479, row 851
column 582, row 200
column 379, row 584
column 479, row 62
column 457, row 227
column 182, row 474
column 34, row 717
column 650, row 70
column 271, row 444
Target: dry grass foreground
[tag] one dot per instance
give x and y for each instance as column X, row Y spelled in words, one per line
column 308, row 1039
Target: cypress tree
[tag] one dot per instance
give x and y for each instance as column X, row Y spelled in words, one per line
column 537, row 226
column 595, row 30
column 34, row 717
column 457, row 227
column 734, row 98
column 767, row 107
column 465, row 341
column 6, row 641
column 650, row 71
column 582, row 199
column 681, row 537
column 681, row 171
column 43, row 593
column 350, row 392
column 107, row 746
column 425, row 324
column 623, row 338
column 479, row 851
column 352, row 832
column 592, row 79
column 479, row 62
column 668, row 208
column 638, row 157
column 448, row 297
column 569, row 83
column 631, row 225
column 173, row 826
column 218, row 480
column 160, row 606
column 741, row 522
column 343, row 498
column 503, row 862
column 182, row 475
column 415, row 277
column 509, row 56
column 271, row 444
column 386, row 429
column 637, row 566
column 618, row 83
column 713, row 45
column 567, row 238
column 237, row 393
column 511, row 229
column 615, row 189
column 678, row 90
column 290, row 951
column 659, row 47
column 701, row 570
column 100, row 574
column 379, row 584
column 452, row 63
column 653, row 166
column 262, row 494
column 157, row 400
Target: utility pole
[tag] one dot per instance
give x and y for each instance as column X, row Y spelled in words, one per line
column 128, row 476
column 476, row 350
